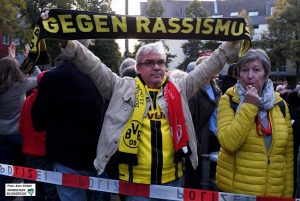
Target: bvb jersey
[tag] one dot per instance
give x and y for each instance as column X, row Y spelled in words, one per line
column 155, row 152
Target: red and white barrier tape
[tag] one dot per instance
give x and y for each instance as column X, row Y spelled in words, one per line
column 127, row 188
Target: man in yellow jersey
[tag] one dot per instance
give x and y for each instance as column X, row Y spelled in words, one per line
column 148, row 124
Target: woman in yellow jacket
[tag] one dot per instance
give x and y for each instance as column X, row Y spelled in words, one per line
column 254, row 131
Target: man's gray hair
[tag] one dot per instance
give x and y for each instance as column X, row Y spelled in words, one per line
column 255, row 54
column 125, row 64
column 156, row 47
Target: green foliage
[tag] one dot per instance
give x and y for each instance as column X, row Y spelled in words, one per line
column 154, row 8
column 9, row 11
column 33, row 10
column 169, row 55
column 281, row 28
column 295, row 48
column 101, row 6
column 210, row 45
column 143, row 42
column 36, row 7
column 195, row 9
column 140, row 44
column 192, row 47
column 108, row 52
column 283, row 39
column 191, row 50
column 244, row 14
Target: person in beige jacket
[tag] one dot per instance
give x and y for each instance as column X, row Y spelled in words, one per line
column 149, row 140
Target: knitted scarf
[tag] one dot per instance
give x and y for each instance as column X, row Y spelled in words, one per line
column 177, row 122
column 129, row 141
column 267, row 97
column 267, row 100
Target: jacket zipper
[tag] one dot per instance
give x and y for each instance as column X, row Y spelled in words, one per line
column 268, row 154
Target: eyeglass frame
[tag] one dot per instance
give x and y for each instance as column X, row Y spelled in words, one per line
column 152, row 63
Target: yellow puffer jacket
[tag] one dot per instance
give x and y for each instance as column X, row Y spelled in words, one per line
column 244, row 164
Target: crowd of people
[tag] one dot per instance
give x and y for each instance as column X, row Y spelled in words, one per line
column 150, row 126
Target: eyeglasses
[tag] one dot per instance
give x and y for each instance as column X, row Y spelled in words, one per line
column 152, row 63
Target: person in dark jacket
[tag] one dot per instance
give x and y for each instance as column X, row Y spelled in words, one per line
column 71, row 110
column 128, row 62
column 34, row 148
column 293, row 100
column 229, row 80
column 203, row 106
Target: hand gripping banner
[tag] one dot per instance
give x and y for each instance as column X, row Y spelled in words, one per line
column 73, row 25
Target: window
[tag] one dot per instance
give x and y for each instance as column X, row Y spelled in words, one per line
column 5, row 39
column 282, row 68
column 281, row 63
column 233, row 14
column 181, row 12
column 253, row 13
column 272, row 10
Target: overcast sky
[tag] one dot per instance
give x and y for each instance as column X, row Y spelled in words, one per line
column 133, row 9
column 133, row 6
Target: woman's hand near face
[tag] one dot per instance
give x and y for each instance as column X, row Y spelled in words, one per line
column 251, row 96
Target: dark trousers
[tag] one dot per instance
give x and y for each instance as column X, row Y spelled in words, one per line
column 44, row 191
column 11, row 154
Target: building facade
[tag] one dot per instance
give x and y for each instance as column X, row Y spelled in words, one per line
column 257, row 11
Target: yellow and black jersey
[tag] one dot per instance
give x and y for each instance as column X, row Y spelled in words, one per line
column 155, row 152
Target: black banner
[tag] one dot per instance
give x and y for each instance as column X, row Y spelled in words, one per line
column 73, row 25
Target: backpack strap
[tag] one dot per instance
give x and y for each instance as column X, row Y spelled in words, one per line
column 233, row 104
column 282, row 107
